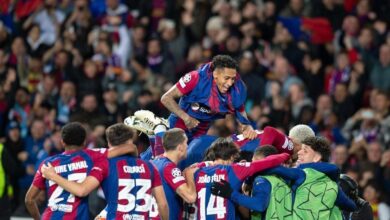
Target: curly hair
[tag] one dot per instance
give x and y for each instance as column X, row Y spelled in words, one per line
column 319, row 145
column 224, row 61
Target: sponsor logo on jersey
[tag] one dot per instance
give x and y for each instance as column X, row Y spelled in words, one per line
column 198, row 108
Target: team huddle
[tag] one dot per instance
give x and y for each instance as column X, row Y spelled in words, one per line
column 187, row 174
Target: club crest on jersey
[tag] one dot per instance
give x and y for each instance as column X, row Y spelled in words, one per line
column 196, row 107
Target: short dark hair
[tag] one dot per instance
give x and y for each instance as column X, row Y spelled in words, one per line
column 73, row 134
column 118, row 134
column 222, row 148
column 224, row 61
column 319, row 145
column 265, row 150
column 172, row 138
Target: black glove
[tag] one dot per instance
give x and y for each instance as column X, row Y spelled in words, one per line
column 222, row 189
column 360, row 202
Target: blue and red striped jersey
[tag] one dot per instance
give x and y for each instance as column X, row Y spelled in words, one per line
column 202, row 100
column 128, row 188
column 172, row 178
column 73, row 166
column 209, row 206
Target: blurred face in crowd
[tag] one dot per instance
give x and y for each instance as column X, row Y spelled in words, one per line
column 365, row 38
column 308, row 155
column 370, row 194
column 90, row 69
column 249, row 11
column 3, row 58
column 374, row 152
column 22, row 98
column 384, row 55
column 89, row 103
column 340, row 155
column 342, row 61
column 351, row 25
column 112, row 4
column 195, row 54
column 275, row 89
column 296, row 5
column 138, row 33
column 382, row 103
column 233, row 44
column 34, row 33
column 154, row 47
column 14, row 134
column 67, row 91
column 61, row 59
column 340, row 92
column 224, row 78
column 18, row 47
column 49, row 83
column 296, row 93
column 363, row 7
column 110, row 96
column 35, row 65
column 246, row 64
column 37, row 129
column 281, row 68
column 324, row 102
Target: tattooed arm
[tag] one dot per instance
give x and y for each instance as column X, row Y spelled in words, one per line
column 168, row 100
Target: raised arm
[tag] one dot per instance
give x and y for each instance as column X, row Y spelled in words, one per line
column 130, row 148
column 243, row 170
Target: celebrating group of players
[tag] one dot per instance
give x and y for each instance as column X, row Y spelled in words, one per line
column 186, row 174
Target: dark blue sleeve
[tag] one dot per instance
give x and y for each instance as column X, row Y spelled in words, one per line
column 294, row 175
column 260, row 196
column 288, row 174
column 344, row 203
column 331, row 170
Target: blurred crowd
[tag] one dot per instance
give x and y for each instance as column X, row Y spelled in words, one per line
column 325, row 63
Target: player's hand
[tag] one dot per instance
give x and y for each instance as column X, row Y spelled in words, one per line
column 48, row 171
column 249, row 133
column 222, row 189
column 190, row 122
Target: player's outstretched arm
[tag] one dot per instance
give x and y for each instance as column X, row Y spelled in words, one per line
column 130, row 148
column 159, row 195
column 31, row 203
column 187, row 191
column 243, row 170
column 78, row 189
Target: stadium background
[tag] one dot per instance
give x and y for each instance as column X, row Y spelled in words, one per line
column 325, row 63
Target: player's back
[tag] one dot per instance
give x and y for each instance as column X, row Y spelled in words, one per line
column 128, row 188
column 209, row 206
column 73, row 166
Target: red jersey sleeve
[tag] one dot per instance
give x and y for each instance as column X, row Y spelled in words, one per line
column 277, row 139
column 39, row 180
column 99, row 169
column 100, row 163
column 156, row 179
column 188, row 82
column 243, row 170
column 173, row 176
